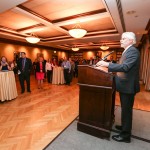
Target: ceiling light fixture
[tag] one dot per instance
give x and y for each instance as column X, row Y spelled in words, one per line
column 104, row 47
column 32, row 38
column 75, row 48
column 77, row 31
column 130, row 12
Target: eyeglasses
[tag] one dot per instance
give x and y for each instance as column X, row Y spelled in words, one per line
column 124, row 38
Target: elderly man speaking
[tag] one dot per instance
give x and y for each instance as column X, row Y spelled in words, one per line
column 127, row 83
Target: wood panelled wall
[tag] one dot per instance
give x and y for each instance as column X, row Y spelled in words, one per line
column 8, row 49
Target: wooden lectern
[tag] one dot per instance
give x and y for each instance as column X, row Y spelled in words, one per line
column 96, row 101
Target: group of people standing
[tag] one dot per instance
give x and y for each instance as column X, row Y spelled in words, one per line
column 43, row 69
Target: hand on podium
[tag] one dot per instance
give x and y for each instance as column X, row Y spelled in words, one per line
column 102, row 64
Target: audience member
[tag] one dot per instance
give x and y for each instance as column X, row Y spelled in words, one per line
column 4, row 64
column 76, row 68
column 49, row 69
column 24, row 68
column 72, row 68
column 13, row 66
column 34, row 67
column 60, row 61
column 55, row 63
column 67, row 69
column 40, row 71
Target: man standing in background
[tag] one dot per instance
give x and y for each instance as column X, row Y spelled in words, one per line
column 24, row 68
column 67, row 70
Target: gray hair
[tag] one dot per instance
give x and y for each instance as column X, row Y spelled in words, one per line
column 130, row 35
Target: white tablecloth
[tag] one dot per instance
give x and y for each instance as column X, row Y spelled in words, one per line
column 58, row 75
column 8, row 90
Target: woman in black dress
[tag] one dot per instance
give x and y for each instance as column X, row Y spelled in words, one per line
column 4, row 64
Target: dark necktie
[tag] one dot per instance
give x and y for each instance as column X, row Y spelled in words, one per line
column 23, row 64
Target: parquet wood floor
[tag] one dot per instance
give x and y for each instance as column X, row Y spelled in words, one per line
column 142, row 99
column 31, row 121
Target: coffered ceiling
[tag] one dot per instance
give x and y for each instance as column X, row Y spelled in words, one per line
column 50, row 20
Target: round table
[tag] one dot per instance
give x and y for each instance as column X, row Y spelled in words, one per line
column 58, row 75
column 8, row 90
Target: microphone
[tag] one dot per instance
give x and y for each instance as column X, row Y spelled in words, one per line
column 104, row 58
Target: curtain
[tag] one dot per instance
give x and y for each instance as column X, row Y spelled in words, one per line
column 145, row 64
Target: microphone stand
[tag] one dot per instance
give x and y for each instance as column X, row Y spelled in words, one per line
column 104, row 58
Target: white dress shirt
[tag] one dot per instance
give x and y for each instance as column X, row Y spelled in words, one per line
column 48, row 66
column 126, row 49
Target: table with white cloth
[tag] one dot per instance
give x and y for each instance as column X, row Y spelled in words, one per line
column 8, row 90
column 58, row 75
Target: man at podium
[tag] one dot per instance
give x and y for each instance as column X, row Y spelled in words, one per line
column 127, row 83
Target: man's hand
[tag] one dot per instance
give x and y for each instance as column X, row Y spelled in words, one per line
column 102, row 64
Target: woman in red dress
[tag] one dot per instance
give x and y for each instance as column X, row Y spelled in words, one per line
column 40, row 71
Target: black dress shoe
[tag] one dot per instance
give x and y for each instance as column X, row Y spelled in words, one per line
column 22, row 92
column 118, row 127
column 119, row 138
column 29, row 91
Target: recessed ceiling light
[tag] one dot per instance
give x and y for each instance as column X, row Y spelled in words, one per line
column 130, row 12
column 142, row 32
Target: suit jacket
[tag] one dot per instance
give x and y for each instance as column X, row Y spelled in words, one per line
column 27, row 67
column 127, row 77
column 38, row 66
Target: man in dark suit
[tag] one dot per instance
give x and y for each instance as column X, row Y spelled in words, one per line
column 127, row 83
column 24, row 68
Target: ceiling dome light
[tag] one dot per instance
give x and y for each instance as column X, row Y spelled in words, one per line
column 104, row 47
column 77, row 31
column 32, row 38
column 75, row 48
column 130, row 12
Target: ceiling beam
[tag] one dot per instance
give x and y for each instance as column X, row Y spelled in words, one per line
column 82, row 19
column 37, row 17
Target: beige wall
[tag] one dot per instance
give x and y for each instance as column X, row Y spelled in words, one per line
column 8, row 50
column 31, row 52
column 62, row 54
column 88, row 55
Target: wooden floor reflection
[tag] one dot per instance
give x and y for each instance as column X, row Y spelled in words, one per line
column 31, row 121
column 142, row 100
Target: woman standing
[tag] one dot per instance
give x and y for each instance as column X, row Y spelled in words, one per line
column 4, row 64
column 40, row 71
column 49, row 68
column 55, row 63
column 13, row 66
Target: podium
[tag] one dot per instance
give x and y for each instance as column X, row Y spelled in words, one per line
column 96, row 101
